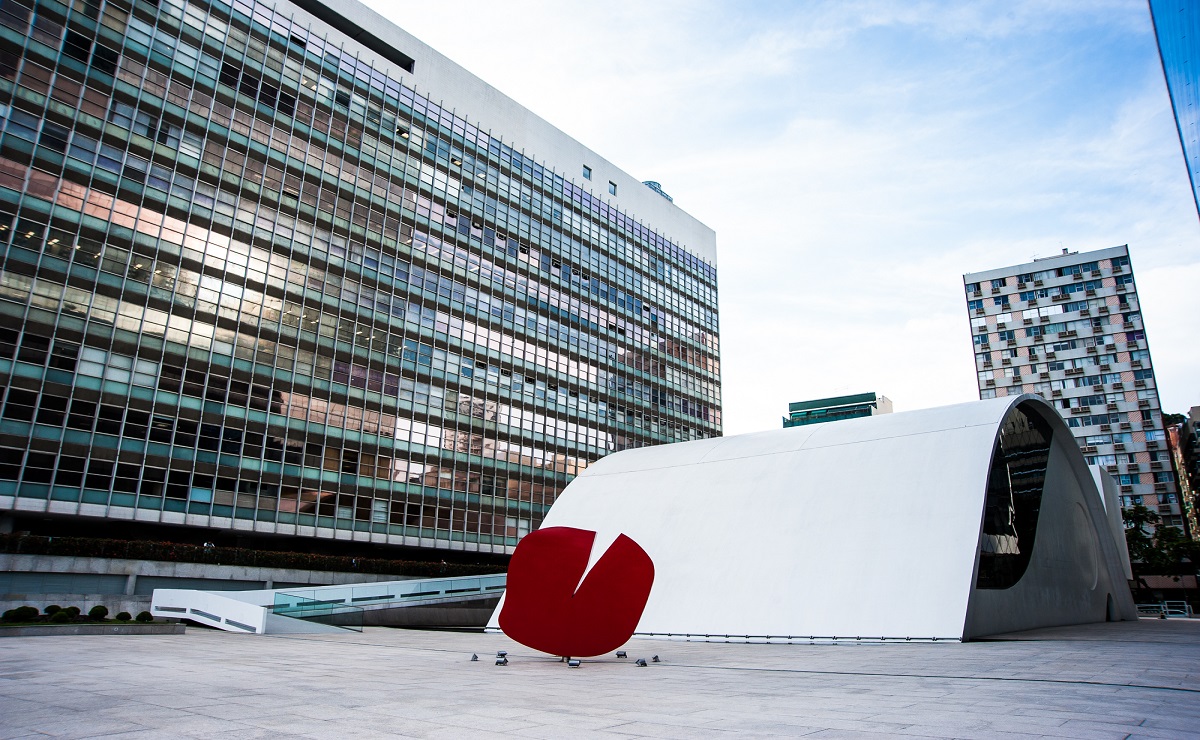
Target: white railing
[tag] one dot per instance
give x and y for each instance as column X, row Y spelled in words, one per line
column 208, row 608
column 1166, row 609
column 284, row 610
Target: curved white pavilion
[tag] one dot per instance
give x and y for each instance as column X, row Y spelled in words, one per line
column 946, row 523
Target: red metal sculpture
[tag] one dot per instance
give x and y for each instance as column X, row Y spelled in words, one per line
column 547, row 607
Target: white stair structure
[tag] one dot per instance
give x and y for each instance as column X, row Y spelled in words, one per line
column 317, row 609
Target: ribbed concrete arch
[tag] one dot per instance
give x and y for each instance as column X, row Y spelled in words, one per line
column 861, row 528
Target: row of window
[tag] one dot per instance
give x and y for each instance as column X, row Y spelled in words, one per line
column 1028, row 278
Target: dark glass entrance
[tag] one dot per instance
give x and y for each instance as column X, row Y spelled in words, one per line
column 1014, row 498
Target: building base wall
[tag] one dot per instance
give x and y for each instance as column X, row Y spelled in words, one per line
column 127, row 585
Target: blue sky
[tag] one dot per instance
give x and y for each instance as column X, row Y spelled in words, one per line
column 855, row 158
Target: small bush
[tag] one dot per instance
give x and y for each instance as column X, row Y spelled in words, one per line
column 145, row 617
column 52, row 610
column 123, row 616
column 60, row 617
column 73, row 611
column 21, row 614
column 97, row 613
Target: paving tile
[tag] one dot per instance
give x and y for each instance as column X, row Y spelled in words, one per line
column 1094, row 682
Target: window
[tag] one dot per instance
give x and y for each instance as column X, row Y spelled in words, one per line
column 972, row 287
column 1025, row 277
column 999, row 282
column 1166, row 477
column 612, row 188
column 587, row 172
column 1006, row 336
column 1129, row 479
column 1001, row 300
column 975, row 305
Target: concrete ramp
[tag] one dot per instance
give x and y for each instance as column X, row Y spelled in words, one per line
column 317, row 609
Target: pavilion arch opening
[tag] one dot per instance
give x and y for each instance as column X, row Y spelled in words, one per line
column 1014, row 497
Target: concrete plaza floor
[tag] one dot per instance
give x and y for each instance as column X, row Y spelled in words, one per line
column 1101, row 681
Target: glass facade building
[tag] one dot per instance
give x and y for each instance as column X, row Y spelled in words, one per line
column 253, row 280
column 1177, row 29
column 1069, row 328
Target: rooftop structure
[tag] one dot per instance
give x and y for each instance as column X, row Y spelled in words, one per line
column 836, row 408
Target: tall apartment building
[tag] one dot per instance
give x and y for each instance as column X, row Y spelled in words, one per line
column 1069, row 328
column 282, row 270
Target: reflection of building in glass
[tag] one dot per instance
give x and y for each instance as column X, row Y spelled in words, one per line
column 1070, row 329
column 1014, row 499
column 1175, row 24
column 253, row 281
column 817, row 411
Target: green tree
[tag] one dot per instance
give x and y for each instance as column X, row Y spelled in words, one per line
column 1163, row 552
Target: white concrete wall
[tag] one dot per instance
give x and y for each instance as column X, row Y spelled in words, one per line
column 860, row 528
